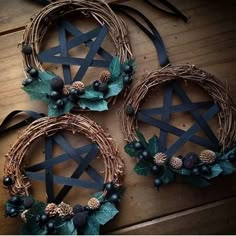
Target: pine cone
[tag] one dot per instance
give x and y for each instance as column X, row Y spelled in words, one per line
column 160, row 158
column 66, row 90
column 51, row 209
column 105, row 76
column 78, row 85
column 176, row 162
column 64, row 210
column 23, row 215
column 207, row 156
column 93, row 203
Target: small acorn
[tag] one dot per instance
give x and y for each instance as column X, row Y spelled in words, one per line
column 78, row 208
column 114, row 198
column 129, row 110
column 103, row 88
column 27, row 49
column 105, row 76
column 96, row 85
column 190, row 159
column 138, row 146
column 176, row 162
column 207, row 156
column 33, row 73
column 57, row 84
column 79, row 219
column 93, row 203
column 7, row 181
column 78, row 86
column 28, row 202
column 160, row 158
column 157, row 182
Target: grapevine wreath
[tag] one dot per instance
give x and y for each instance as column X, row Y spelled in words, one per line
column 57, row 217
column 154, row 156
column 62, row 95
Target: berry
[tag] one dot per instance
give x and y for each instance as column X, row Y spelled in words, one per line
column 140, row 157
column 54, row 95
column 231, row 157
column 190, row 160
column 129, row 110
column 96, row 85
column 28, row 202
column 27, row 82
column 103, row 88
column 128, row 69
column 27, row 49
column 28, row 69
column 7, row 181
column 155, row 169
column 114, row 198
column 205, row 170
column 127, row 80
column 145, row 154
column 109, row 187
column 79, row 219
column 15, row 200
column 37, row 218
column 157, row 182
column 77, row 208
column 195, row 171
column 50, row 226
column 57, row 84
column 43, row 218
column 12, row 212
column 59, row 103
column 72, row 98
column 33, row 73
column 138, row 146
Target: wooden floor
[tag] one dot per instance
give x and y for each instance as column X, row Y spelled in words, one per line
column 209, row 42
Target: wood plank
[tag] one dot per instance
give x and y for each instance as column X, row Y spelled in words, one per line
column 207, row 41
column 206, row 219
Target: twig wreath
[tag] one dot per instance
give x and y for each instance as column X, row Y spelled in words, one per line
column 62, row 95
column 59, row 217
column 154, row 158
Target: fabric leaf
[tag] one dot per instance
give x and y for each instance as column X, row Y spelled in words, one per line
column 196, row 181
column 215, row 171
column 52, row 111
column 143, row 168
column 130, row 150
column 67, row 228
column 227, row 167
column 91, row 94
column 98, row 105
column 182, row 171
column 141, row 138
column 114, row 88
column 153, row 145
column 115, row 67
column 168, row 175
column 92, row 226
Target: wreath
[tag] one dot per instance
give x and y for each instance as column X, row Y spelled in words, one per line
column 62, row 95
column 58, row 217
column 153, row 156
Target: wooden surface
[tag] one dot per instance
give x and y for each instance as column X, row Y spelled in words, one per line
column 208, row 41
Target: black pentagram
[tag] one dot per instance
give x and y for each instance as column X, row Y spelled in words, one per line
column 91, row 151
column 211, row 142
column 65, row 60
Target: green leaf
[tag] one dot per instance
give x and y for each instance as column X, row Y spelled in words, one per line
column 92, row 226
column 105, row 213
column 67, row 228
column 141, row 138
column 153, row 145
column 33, row 229
column 168, row 175
column 114, row 88
column 91, row 94
column 143, row 168
column 130, row 150
column 99, row 196
column 215, row 171
column 58, row 112
column 182, row 171
column 227, row 167
column 115, row 67
column 196, row 181
column 98, row 105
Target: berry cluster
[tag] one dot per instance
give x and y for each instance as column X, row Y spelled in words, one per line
column 33, row 73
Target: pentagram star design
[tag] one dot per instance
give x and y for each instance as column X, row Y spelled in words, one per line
column 91, row 151
column 211, row 142
column 79, row 38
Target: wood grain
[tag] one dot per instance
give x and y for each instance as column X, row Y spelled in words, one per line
column 208, row 41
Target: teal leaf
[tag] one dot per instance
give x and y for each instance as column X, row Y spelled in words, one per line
column 46, row 75
column 227, row 167
column 52, row 111
column 92, row 226
column 182, row 171
column 130, row 150
column 99, row 196
column 168, row 176
column 153, row 145
column 67, row 228
column 215, row 171
column 141, row 138
column 114, row 87
column 196, row 181
column 105, row 213
column 33, row 229
column 91, row 94
column 143, row 168
column 98, row 105
column 115, row 68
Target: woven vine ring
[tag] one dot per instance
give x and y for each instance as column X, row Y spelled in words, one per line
column 64, row 219
column 64, row 94
column 164, row 161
